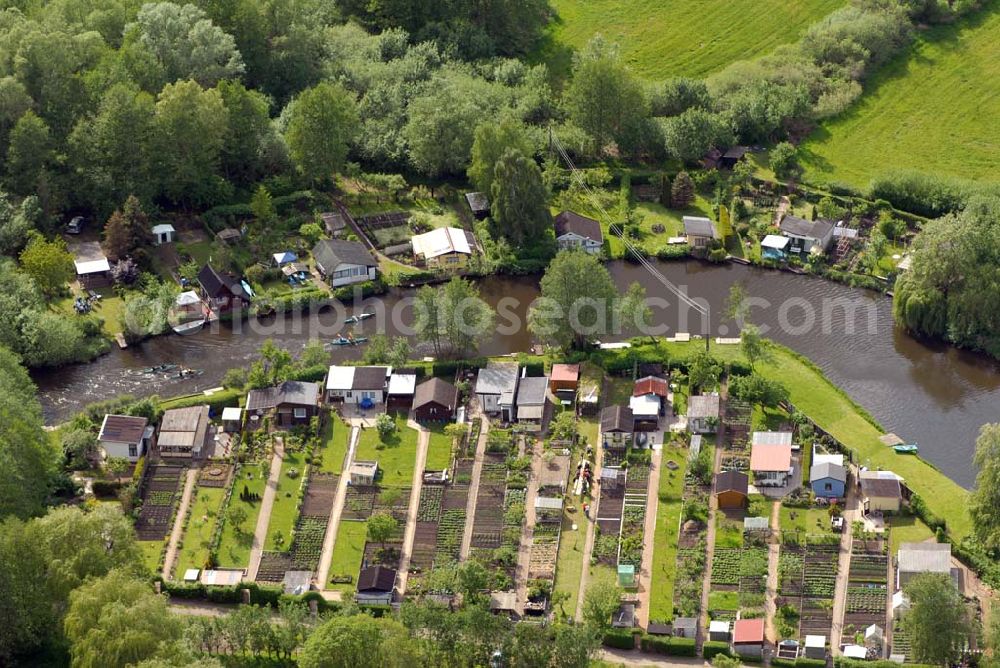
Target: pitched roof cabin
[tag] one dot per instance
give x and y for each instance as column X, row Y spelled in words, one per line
column 731, row 489
column 617, row 426
column 444, row 247
column 531, row 401
column 700, row 231
column 435, row 400
column 358, row 384
column 222, row 291
column 291, row 403
column 344, row 262
column 496, row 387
column 880, row 491
column 183, row 431
column 125, row 436
column 376, row 586
column 576, row 231
column 807, row 235
column 479, row 204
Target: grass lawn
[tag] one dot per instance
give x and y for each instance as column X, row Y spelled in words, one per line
column 200, row 527
column 109, row 309
column 151, row 550
column 619, row 390
column 933, row 109
column 806, row 520
column 652, row 214
column 837, row 414
column 728, row 533
column 347, row 553
column 438, row 450
column 668, row 517
column 723, row 600
column 198, row 251
column 588, row 428
column 234, row 548
column 569, row 562
column 660, row 39
column 396, row 458
column 286, row 502
column 335, row 440
column 907, row 530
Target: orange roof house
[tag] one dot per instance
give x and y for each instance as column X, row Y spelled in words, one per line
column 748, row 636
column 771, row 457
column 564, row 377
column 650, row 385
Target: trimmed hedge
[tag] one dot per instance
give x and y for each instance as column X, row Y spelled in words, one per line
column 842, row 662
column 259, row 594
column 801, row 662
column 713, row 648
column 667, row 645
column 105, row 488
column 618, row 639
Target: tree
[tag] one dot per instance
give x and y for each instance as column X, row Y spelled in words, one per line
column 634, row 316
column 77, row 446
column 321, row 122
column 29, row 153
column 754, row 346
column 665, row 187
column 190, row 127
column 491, row 141
column 605, row 99
column 984, row 500
column 236, row 515
column 262, row 205
column 725, row 224
column 252, row 148
column 678, row 94
column 519, row 200
column 116, row 621
column 385, row 426
column 359, row 640
column 381, row 526
column 704, row 372
column 600, row 602
column 49, row 263
column 784, row 160
column 184, row 44
column 274, row 366
column 17, row 223
column 682, row 192
column 938, row 622
column 127, row 231
column 454, row 318
column 756, row 389
column 725, row 661
column 576, row 302
column 26, row 614
column 442, row 123
column 689, row 136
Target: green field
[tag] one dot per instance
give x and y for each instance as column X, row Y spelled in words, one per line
column 668, row 519
column 659, row 39
column 348, row 552
column 934, row 109
column 200, row 527
column 151, row 551
column 396, row 457
column 234, row 547
column 805, row 520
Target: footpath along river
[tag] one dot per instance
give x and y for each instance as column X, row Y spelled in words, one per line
column 931, row 394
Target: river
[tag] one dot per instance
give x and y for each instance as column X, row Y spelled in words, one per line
column 927, row 393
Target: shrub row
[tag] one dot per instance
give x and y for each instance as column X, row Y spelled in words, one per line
column 714, row 647
column 666, row 645
column 619, row 639
column 801, row 662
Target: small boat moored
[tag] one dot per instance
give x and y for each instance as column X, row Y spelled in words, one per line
column 906, row 449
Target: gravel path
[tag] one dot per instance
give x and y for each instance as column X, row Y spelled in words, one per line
column 266, row 503
column 423, row 441
column 178, row 530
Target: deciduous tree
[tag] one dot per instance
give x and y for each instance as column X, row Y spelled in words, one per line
column 491, row 141
column 938, row 620
column 454, row 318
column 321, row 122
column 519, row 200
column 49, row 263
column 577, row 300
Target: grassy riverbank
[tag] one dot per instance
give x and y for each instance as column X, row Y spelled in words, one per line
column 836, row 413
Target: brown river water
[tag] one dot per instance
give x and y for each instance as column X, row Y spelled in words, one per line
column 931, row 394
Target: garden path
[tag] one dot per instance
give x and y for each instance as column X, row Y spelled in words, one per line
column 528, row 533
column 843, row 569
column 773, row 555
column 649, row 536
column 477, row 471
column 423, row 441
column 266, row 504
column 333, row 525
column 588, row 545
column 178, row 530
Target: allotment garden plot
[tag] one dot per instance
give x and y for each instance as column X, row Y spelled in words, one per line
column 867, row 587
column 807, row 579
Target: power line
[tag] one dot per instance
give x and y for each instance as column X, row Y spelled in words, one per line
column 640, row 256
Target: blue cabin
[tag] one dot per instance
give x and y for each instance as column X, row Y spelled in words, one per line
column 828, row 480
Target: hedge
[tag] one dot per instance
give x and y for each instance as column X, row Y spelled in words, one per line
column 713, row 648
column 801, row 662
column 842, row 662
column 619, row 639
column 259, row 594
column 671, row 646
column 106, row 488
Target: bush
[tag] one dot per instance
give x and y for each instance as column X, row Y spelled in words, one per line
column 671, row 646
column 673, row 252
column 105, row 488
column 714, row 647
column 618, row 639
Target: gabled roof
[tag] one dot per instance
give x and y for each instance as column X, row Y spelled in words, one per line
column 617, row 418
column 650, row 385
column 436, row 391
column 748, row 631
column 736, row 152
column 377, row 579
column 531, row 391
column 771, row 458
column 698, row 226
column 570, row 222
column 122, row 429
column 703, row 406
column 924, row 558
column 217, row 283
column 331, row 253
column 497, row 378
column 771, row 438
column 288, row 392
column 825, row 470
column 442, row 241
column 883, row 484
column 732, row 481
column 371, row 377
column 800, row 227
column 333, row 220
column 566, row 373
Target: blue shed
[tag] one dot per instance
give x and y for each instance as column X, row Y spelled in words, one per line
column 828, row 480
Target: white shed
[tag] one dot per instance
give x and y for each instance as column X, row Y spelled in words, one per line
column 815, row 647
column 164, row 233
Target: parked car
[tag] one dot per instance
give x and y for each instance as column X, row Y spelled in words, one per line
column 75, row 226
